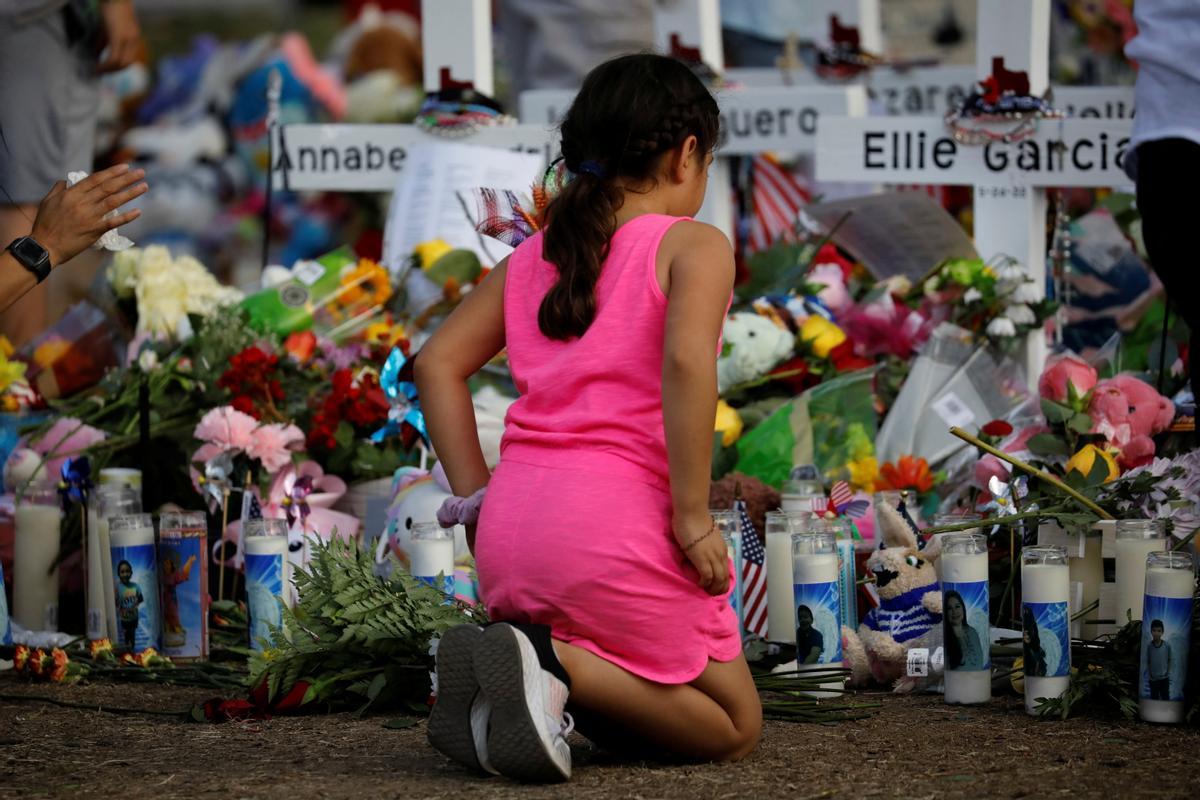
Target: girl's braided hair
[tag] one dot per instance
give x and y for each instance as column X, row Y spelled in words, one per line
column 629, row 112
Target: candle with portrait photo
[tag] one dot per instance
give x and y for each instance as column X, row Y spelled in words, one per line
column 1166, row 636
column 1045, row 597
column 965, row 615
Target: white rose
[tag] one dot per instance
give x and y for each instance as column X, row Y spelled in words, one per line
column 123, row 272
column 1027, row 293
column 148, row 360
column 972, row 295
column 1001, row 327
column 162, row 299
column 1020, row 314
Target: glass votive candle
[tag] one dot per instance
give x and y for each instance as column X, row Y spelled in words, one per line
column 843, row 535
column 183, row 578
column 729, row 530
column 1136, row 539
column 781, row 615
column 265, row 549
column 35, row 549
column 1166, row 635
column 431, row 556
column 966, row 617
column 135, row 580
column 1045, row 616
column 107, row 500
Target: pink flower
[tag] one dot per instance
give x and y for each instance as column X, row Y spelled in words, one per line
column 67, row 438
column 273, row 445
column 834, row 294
column 1068, row 369
column 227, row 429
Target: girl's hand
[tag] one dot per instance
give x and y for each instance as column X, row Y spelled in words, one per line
column 123, row 32
column 708, row 553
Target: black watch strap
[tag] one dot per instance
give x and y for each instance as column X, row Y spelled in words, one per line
column 32, row 256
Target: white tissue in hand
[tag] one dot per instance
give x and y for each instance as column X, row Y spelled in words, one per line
column 109, row 240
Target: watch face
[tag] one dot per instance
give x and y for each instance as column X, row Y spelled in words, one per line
column 29, row 252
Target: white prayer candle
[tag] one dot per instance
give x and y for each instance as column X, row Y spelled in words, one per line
column 727, row 526
column 1136, row 539
column 265, row 548
column 1088, row 571
column 1045, row 613
column 123, row 477
column 35, row 547
column 781, row 614
column 1166, row 634
column 108, row 500
column 818, row 604
column 941, row 520
column 135, row 580
column 431, row 554
column 964, row 565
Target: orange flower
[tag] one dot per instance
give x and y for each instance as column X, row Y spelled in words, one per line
column 128, row 658
column 906, row 473
column 301, row 345
column 36, row 662
column 58, row 669
column 21, row 657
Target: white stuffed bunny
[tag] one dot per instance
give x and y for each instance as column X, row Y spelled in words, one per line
column 753, row 345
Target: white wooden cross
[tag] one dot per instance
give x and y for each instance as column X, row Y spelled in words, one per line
column 456, row 37
column 754, row 120
column 1009, row 179
column 916, row 90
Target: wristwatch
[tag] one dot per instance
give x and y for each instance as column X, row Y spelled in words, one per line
column 32, row 256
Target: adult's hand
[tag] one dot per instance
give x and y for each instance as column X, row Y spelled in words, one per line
column 123, row 33
column 71, row 219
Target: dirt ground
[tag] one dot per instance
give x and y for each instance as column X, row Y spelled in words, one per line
column 913, row 747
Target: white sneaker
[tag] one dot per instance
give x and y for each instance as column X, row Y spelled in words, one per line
column 481, row 717
column 458, row 720
column 528, row 728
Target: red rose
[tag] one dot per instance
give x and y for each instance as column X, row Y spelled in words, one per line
column 997, row 428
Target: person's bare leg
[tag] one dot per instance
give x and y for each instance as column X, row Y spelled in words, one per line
column 717, row 717
column 27, row 318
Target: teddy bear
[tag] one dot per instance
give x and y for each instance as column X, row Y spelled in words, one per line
column 753, row 345
column 910, row 610
column 1128, row 412
column 760, row 497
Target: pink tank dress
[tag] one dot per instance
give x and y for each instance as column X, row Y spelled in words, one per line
column 575, row 531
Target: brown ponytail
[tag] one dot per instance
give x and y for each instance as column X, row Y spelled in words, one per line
column 630, row 111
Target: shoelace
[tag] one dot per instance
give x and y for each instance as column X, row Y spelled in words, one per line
column 566, row 725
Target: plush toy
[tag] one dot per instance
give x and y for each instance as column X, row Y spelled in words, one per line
column 760, row 497
column 753, row 345
column 418, row 496
column 910, row 610
column 1127, row 412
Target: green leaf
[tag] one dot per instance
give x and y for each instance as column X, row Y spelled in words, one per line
column 1056, row 412
column 1099, row 472
column 1047, row 444
column 1080, row 423
column 400, row 723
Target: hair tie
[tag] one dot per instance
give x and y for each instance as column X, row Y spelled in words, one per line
column 590, row 167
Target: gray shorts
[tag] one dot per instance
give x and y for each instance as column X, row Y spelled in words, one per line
column 48, row 106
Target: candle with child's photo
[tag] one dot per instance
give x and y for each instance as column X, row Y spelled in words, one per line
column 818, row 603
column 135, row 580
column 1166, row 635
column 965, row 615
column 1045, row 614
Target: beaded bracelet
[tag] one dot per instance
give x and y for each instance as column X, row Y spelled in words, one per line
column 711, row 529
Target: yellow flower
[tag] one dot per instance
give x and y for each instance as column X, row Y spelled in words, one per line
column 368, row 284
column 100, row 649
column 429, row 252
column 10, row 371
column 864, row 473
column 821, row 335
column 1085, row 460
column 729, row 423
column 384, row 333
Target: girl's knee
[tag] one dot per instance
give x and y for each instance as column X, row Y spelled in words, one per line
column 747, row 732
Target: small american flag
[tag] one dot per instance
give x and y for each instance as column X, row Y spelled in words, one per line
column 250, row 506
column 777, row 197
column 754, row 574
